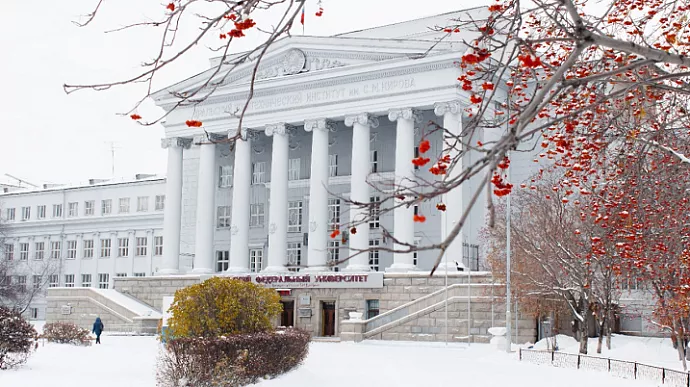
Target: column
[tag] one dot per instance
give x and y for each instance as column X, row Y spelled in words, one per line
column 172, row 217
column 278, row 208
column 359, row 188
column 403, row 215
column 452, row 123
column 317, row 253
column 241, row 186
column 132, row 240
column 205, row 206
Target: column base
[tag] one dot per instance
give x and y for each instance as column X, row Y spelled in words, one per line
column 317, row 269
column 275, row 269
column 401, row 268
column 357, row 268
column 237, row 270
column 168, row 272
column 202, row 270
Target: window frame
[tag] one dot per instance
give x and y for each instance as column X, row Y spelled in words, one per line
column 105, row 248
column 106, row 207
column 253, row 254
column 41, row 211
column 104, row 280
column 374, row 254
column 334, row 212
column 294, row 169
column 54, row 281
column 9, row 251
column 41, row 256
column 57, row 211
column 24, row 254
column 26, row 213
column 298, row 207
column 89, row 208
column 334, row 253
column 69, row 280
column 123, row 247
column 55, row 249
column 159, row 203
column 374, row 213
column 222, row 260
column 123, row 205
column 257, row 219
column 158, row 245
column 86, row 280
column 223, row 214
column 258, row 174
column 71, row 249
column 225, row 176
column 11, row 214
column 294, row 248
column 142, row 204
column 333, row 165
column 73, row 209
column 141, row 249
column 88, row 247
column 374, row 161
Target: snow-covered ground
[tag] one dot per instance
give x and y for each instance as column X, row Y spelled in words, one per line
column 647, row 350
column 129, row 361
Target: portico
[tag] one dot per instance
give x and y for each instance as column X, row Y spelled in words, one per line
column 337, row 122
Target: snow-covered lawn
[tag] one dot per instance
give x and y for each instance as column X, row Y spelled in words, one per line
column 647, row 350
column 129, row 361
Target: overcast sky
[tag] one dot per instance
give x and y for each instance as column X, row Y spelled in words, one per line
column 48, row 136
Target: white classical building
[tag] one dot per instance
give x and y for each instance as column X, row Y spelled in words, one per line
column 81, row 235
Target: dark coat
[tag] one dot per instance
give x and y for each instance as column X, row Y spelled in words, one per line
column 97, row 326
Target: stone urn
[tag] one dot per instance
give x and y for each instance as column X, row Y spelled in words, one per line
column 498, row 338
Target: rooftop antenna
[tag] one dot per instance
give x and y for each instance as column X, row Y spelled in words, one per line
column 21, row 180
column 112, row 157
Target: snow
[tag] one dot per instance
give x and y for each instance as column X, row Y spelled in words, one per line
column 129, row 303
column 651, row 351
column 130, row 361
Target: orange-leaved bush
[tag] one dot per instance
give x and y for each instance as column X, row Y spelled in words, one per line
column 223, row 306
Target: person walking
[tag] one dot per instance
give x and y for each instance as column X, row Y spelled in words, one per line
column 98, row 329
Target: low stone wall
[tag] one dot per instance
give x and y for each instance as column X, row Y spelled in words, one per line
column 151, row 290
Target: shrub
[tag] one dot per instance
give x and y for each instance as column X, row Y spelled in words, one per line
column 17, row 338
column 66, row 333
column 231, row 361
column 223, row 306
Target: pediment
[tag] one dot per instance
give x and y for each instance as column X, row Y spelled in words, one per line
column 299, row 55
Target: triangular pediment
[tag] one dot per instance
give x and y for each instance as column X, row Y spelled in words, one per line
column 303, row 54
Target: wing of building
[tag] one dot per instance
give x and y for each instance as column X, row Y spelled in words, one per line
column 332, row 120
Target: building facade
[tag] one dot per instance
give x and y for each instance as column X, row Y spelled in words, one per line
column 82, row 235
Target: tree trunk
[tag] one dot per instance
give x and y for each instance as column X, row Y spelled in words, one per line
column 609, row 329
column 602, row 326
column 679, row 334
column 584, row 326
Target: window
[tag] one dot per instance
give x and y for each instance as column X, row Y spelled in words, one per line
column 10, row 214
column 40, row 247
column 140, row 274
column 55, row 247
column 23, row 251
column 294, row 256
column 26, row 213
column 222, row 261
column 142, row 243
column 103, row 280
column 124, row 206
column 89, row 208
column 36, row 280
column 257, row 215
column 415, row 253
column 333, row 214
column 223, row 214
column 259, row 172
column 120, row 275
column 374, row 161
column 256, row 260
column 21, row 283
column 69, row 280
column 158, row 245
column 105, row 248
column 374, row 255
column 372, row 308
column 295, row 216
column 9, row 251
column 88, row 248
column 416, row 154
column 142, row 203
column 631, row 284
column 334, row 253
column 294, row 169
column 34, row 313
column 53, row 281
column 332, row 165
column 73, row 209
column 160, row 203
column 41, row 212
column 86, row 280
column 106, row 207
column 225, row 176
column 71, row 249
column 374, row 211
column 57, row 210
column 123, row 247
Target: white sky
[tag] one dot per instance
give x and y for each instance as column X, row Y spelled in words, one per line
column 48, row 136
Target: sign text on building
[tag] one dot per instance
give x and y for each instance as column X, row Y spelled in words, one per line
column 301, row 281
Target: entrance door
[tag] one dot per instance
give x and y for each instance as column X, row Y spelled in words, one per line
column 287, row 318
column 328, row 318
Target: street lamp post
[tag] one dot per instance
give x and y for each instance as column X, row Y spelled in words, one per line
column 508, row 314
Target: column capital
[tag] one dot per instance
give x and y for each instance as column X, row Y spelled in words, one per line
column 280, row 128
column 362, row 119
column 441, row 108
column 405, row 114
column 208, row 138
column 244, row 133
column 319, row 124
column 176, row 142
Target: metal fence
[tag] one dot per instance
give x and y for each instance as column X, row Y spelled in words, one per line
column 619, row 368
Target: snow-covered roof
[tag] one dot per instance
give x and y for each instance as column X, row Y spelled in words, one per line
column 48, row 187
